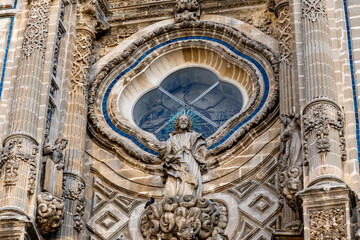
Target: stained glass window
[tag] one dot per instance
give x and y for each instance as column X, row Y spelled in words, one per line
column 197, row 91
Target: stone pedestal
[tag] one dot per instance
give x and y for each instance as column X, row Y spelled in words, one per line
column 327, row 208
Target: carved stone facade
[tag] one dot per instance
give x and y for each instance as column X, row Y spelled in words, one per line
column 179, row 119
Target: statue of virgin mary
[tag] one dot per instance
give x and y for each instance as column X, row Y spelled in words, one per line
column 184, row 160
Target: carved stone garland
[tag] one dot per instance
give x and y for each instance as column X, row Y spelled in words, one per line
column 75, row 193
column 13, row 154
column 49, row 214
column 328, row 224
column 321, row 124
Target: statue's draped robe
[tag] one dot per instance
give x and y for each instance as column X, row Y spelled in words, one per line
column 183, row 164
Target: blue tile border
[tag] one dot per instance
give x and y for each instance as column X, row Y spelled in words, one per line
column 142, row 57
column 6, row 54
column 353, row 84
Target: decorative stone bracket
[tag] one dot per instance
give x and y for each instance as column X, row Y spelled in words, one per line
column 49, row 214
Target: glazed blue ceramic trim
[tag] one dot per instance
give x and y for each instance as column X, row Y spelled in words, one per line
column 15, row 3
column 228, row 46
column 353, row 84
column 6, row 54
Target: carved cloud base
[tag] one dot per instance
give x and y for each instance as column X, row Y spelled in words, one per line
column 185, row 218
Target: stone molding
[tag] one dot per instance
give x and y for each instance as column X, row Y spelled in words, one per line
column 127, row 57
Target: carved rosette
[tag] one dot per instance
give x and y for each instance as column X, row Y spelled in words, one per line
column 187, row 10
column 312, row 9
column 19, row 151
column 36, row 31
column 319, row 121
column 49, row 214
column 74, row 190
column 185, row 218
column 328, row 223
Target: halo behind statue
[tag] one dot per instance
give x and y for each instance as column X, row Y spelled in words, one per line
column 192, row 115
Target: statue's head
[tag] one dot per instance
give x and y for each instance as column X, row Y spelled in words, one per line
column 182, row 123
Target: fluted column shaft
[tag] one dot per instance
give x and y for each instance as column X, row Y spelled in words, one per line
column 19, row 157
column 323, row 123
column 76, row 122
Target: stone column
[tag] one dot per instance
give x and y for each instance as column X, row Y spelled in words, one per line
column 290, row 159
column 20, row 156
column 326, row 198
column 76, row 123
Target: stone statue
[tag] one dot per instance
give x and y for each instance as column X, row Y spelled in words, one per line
column 54, row 166
column 184, row 160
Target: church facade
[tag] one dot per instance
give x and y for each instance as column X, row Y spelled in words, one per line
column 179, row 119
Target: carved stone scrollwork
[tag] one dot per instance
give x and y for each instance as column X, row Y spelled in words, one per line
column 49, row 214
column 328, row 223
column 312, row 9
column 285, row 34
column 81, row 61
column 320, row 122
column 185, row 218
column 187, row 10
column 13, row 155
column 75, row 193
column 36, row 30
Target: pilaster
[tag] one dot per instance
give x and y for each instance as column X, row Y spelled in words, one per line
column 76, row 122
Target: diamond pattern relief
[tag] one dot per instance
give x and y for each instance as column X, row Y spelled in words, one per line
column 108, row 221
column 261, row 203
column 126, row 203
column 243, row 189
column 260, row 206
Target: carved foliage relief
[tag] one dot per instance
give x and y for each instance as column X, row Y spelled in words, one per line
column 285, row 34
column 13, row 155
column 312, row 9
column 328, row 224
column 187, row 10
column 37, row 27
column 320, row 122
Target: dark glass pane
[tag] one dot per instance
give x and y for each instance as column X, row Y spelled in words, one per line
column 153, row 110
column 187, row 84
column 221, row 103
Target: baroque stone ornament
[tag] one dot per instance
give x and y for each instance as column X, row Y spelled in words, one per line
column 312, row 9
column 49, row 214
column 187, row 10
column 76, row 193
column 13, row 155
column 328, row 224
column 290, row 177
column 185, row 218
column 56, row 152
column 321, row 124
column 184, row 157
column 36, row 32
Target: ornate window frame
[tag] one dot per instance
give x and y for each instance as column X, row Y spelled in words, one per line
column 115, row 133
